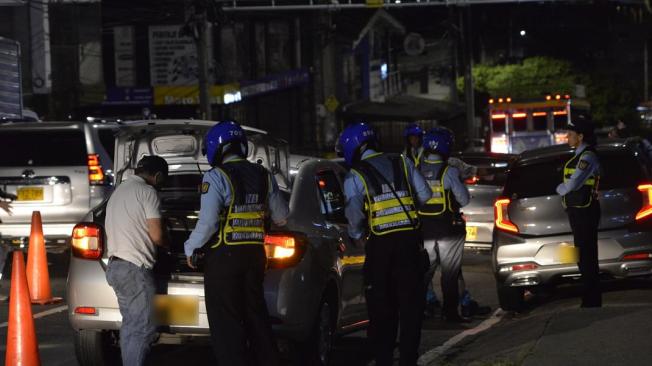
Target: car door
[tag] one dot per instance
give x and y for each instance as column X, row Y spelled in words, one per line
column 351, row 258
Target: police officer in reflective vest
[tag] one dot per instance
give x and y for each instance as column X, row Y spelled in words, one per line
column 413, row 140
column 237, row 196
column 380, row 194
column 443, row 228
column 579, row 192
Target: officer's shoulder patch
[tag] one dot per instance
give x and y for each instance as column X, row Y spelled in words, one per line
column 204, row 187
column 583, row 165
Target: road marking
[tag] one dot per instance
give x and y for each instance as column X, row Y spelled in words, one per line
column 42, row 314
column 434, row 353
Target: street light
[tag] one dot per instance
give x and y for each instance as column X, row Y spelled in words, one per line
column 523, row 33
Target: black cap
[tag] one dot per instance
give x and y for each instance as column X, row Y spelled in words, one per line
column 581, row 124
column 152, row 164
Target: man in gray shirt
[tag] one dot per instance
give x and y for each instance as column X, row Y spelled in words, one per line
column 134, row 228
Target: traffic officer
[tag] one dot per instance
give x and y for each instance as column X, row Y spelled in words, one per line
column 579, row 192
column 444, row 229
column 237, row 196
column 413, row 140
column 381, row 210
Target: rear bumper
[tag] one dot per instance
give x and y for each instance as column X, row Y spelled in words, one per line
column 56, row 235
column 613, row 245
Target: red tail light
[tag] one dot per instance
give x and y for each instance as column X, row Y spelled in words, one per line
column 284, row 249
column 95, row 172
column 502, row 217
column 85, row 310
column 646, row 211
column 638, row 257
column 472, row 180
column 87, row 241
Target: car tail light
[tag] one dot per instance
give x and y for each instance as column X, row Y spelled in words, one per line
column 472, row 180
column 85, row 310
column 501, row 215
column 519, row 267
column 637, row 257
column 284, row 249
column 87, row 241
column 499, row 144
column 95, row 172
column 646, row 211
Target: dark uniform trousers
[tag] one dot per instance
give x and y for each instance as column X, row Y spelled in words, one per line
column 584, row 224
column 235, row 303
column 395, row 294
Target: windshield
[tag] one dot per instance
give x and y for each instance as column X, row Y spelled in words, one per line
column 42, row 148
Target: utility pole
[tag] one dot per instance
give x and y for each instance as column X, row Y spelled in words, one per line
column 646, row 72
column 467, row 58
column 201, row 34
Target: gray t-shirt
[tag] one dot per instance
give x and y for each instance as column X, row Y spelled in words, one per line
column 130, row 205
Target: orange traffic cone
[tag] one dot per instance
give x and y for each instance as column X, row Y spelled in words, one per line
column 21, row 337
column 38, row 277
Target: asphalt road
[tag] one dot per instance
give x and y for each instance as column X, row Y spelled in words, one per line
column 499, row 339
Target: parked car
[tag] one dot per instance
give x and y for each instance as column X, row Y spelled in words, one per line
column 313, row 285
column 532, row 236
column 62, row 169
column 484, row 188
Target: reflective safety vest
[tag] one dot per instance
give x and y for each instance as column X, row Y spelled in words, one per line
column 442, row 202
column 386, row 213
column 244, row 220
column 584, row 196
column 407, row 152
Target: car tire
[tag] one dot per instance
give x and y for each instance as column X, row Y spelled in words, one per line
column 96, row 348
column 316, row 350
column 511, row 298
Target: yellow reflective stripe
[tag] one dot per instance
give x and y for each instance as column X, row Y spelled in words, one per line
column 372, row 155
column 243, row 229
column 568, row 172
column 433, row 161
column 383, row 205
column 248, row 215
column 392, row 218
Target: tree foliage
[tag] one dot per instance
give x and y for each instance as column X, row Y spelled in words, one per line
column 533, row 78
column 536, row 77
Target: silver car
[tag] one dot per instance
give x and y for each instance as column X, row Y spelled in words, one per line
column 62, row 169
column 313, row 286
column 484, row 187
column 533, row 244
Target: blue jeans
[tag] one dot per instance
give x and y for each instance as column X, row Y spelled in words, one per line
column 135, row 288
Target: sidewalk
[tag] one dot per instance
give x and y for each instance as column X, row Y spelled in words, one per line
column 612, row 335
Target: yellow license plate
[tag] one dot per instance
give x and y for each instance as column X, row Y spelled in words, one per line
column 30, row 194
column 471, row 233
column 176, row 310
column 568, row 254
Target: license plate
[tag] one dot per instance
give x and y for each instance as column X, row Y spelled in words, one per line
column 471, row 233
column 30, row 194
column 568, row 254
column 176, row 310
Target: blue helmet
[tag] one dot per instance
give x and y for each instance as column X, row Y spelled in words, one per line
column 222, row 136
column 438, row 140
column 413, row 130
column 352, row 139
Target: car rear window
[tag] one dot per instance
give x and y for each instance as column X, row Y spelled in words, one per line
column 619, row 170
column 42, row 148
column 491, row 171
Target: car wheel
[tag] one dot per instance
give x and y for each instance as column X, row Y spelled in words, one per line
column 511, row 298
column 96, row 348
column 316, row 351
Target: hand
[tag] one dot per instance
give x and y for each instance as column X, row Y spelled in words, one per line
column 189, row 262
column 5, row 206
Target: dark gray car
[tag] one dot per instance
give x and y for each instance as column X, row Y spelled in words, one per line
column 313, row 286
column 533, row 243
